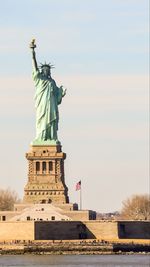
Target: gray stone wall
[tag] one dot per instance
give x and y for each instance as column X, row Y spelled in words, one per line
column 67, row 230
column 134, row 229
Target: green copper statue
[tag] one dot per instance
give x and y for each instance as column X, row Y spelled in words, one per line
column 47, row 98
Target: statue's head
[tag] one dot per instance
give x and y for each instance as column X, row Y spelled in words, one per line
column 46, row 69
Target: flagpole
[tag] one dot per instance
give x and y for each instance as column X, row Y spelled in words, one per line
column 79, row 188
column 81, row 198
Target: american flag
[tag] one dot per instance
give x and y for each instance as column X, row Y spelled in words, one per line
column 78, row 186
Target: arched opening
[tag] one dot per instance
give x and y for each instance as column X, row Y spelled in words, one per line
column 50, row 166
column 43, row 166
column 37, row 166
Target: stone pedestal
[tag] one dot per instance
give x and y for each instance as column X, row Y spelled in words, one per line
column 46, row 180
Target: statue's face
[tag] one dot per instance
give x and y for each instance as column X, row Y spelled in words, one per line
column 46, row 71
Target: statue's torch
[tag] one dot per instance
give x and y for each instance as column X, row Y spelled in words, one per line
column 32, row 44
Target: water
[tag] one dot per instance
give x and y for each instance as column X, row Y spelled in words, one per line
column 76, row 260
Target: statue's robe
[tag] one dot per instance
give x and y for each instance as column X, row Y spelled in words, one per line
column 47, row 98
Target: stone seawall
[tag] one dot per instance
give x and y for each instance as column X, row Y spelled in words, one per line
column 16, row 231
column 73, row 230
column 69, row 230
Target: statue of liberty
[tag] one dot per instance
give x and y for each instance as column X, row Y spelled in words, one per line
column 47, row 98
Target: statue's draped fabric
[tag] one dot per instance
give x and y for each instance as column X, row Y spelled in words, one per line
column 47, row 98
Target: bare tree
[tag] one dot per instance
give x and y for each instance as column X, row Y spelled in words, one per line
column 7, row 199
column 137, row 207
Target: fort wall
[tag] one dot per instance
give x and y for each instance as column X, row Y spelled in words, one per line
column 16, row 231
column 72, row 230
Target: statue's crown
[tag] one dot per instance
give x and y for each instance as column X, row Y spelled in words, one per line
column 48, row 65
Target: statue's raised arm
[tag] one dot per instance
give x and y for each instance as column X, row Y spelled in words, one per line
column 34, row 62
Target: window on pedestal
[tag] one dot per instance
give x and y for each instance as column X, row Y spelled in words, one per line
column 43, row 166
column 37, row 166
column 3, row 218
column 50, row 166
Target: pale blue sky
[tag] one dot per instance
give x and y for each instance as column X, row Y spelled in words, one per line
column 100, row 52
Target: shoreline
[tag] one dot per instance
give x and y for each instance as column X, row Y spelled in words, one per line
column 81, row 247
